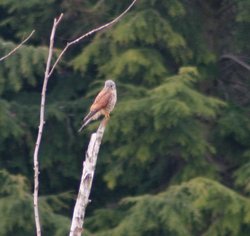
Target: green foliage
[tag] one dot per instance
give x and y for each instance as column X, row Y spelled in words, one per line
column 242, row 177
column 8, row 124
column 200, row 206
column 240, row 23
column 19, row 21
column 173, row 112
column 16, row 207
column 234, row 131
column 182, row 115
column 244, row 7
column 153, row 36
column 18, row 70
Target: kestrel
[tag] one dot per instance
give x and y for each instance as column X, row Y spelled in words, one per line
column 103, row 104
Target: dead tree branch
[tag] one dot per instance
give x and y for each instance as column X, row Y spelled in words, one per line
column 86, row 181
column 40, row 129
column 236, row 60
column 48, row 72
column 89, row 33
column 17, row 47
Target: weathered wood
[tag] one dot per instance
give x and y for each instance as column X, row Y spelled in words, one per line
column 86, row 181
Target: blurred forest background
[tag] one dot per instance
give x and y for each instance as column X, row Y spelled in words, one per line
column 175, row 158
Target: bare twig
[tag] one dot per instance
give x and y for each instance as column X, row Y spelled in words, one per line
column 86, row 181
column 18, row 46
column 89, row 33
column 40, row 130
column 235, row 59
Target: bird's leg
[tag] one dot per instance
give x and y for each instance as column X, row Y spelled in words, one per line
column 106, row 118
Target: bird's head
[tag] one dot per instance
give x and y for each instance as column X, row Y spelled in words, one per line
column 110, row 84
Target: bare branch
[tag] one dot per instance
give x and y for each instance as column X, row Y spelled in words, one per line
column 235, row 59
column 89, row 33
column 19, row 45
column 86, row 181
column 40, row 130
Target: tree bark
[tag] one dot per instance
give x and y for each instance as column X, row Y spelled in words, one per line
column 86, row 181
column 40, row 129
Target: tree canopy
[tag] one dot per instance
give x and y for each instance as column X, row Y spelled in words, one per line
column 175, row 158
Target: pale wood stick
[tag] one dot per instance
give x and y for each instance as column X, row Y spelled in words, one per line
column 40, row 130
column 86, row 181
column 18, row 46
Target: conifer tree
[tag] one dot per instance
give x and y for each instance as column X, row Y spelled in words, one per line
column 178, row 140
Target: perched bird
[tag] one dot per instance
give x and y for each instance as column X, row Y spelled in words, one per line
column 103, row 104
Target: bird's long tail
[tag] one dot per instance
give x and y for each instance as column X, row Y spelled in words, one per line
column 83, row 125
column 87, row 119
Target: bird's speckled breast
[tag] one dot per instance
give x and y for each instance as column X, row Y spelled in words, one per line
column 112, row 101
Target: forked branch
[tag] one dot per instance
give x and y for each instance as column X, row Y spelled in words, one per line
column 40, row 129
column 69, row 44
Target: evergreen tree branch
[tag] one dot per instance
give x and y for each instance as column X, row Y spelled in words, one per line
column 89, row 33
column 18, row 46
column 86, row 180
column 40, row 130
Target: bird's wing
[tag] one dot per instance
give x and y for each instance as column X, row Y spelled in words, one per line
column 90, row 115
column 101, row 101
